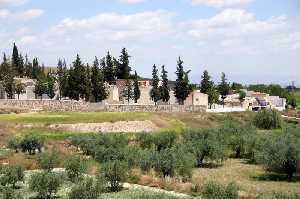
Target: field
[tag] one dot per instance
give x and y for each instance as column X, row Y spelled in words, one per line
column 251, row 179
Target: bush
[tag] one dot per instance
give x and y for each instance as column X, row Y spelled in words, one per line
column 280, row 153
column 164, row 140
column 213, row 190
column 114, row 173
column 88, row 189
column 75, row 168
column 45, row 184
column 280, row 195
column 268, row 119
column 48, row 161
column 9, row 193
column 239, row 137
column 10, row 175
column 32, row 143
column 14, row 144
column 145, row 140
column 205, row 144
column 146, row 159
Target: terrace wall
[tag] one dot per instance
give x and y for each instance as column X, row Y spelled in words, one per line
column 56, row 105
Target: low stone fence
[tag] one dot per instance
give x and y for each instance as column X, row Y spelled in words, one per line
column 56, row 105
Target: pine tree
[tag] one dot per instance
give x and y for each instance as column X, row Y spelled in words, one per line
column 65, row 82
column 154, row 93
column 206, row 83
column 35, row 68
column 60, row 77
column 124, row 69
column 127, row 93
column 88, row 83
column 213, row 96
column 19, row 88
column 98, row 89
column 50, row 85
column 223, row 88
column 15, row 60
column 21, row 67
column 109, row 70
column 4, row 68
column 136, row 88
column 182, row 86
column 28, row 68
column 164, row 89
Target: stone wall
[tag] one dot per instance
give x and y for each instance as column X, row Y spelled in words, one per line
column 56, row 105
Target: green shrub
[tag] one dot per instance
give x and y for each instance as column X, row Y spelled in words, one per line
column 145, row 140
column 87, row 189
column 114, row 173
column 75, row 168
column 10, row 175
column 268, row 119
column 239, row 137
column 280, row 153
column 9, row 193
column 48, row 161
column 146, row 159
column 14, row 143
column 205, row 144
column 45, row 184
column 164, row 140
column 280, row 195
column 31, row 143
column 213, row 190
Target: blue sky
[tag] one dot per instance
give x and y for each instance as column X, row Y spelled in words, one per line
column 252, row 41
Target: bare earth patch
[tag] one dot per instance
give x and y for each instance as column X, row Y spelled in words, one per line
column 121, row 126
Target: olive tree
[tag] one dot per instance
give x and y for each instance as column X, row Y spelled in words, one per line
column 280, row 154
column 205, row 145
column 268, row 119
column 75, row 168
column 45, row 184
column 31, row 143
column 10, row 175
column 48, row 161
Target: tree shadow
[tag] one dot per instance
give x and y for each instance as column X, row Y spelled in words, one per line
column 276, row 177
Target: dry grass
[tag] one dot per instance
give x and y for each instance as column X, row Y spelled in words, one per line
column 249, row 178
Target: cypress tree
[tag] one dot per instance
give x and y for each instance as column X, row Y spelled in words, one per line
column 19, row 88
column 60, row 77
column 109, row 70
column 77, row 80
column 182, row 86
column 136, row 88
column 4, row 68
column 154, row 93
column 21, row 70
column 88, row 83
column 206, row 83
column 124, row 69
column 127, row 92
column 28, row 68
column 65, row 82
column 73, row 91
column 164, row 89
column 40, row 87
column 98, row 89
column 223, row 88
column 15, row 60
column 9, row 84
column 50, row 85
column 35, row 68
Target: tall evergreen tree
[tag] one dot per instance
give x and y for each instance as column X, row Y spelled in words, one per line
column 109, row 70
column 98, row 89
column 65, row 82
column 88, row 83
column 206, row 83
column 164, row 89
column 9, row 84
column 35, row 68
column 77, row 83
column 182, row 86
column 28, row 68
column 136, row 88
column 50, row 85
column 154, row 93
column 213, row 96
column 223, row 88
column 15, row 60
column 21, row 68
column 127, row 93
column 60, row 76
column 124, row 69
column 4, row 67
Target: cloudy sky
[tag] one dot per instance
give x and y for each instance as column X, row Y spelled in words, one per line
column 250, row 40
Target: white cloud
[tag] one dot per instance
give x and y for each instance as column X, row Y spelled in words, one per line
column 239, row 31
column 9, row 16
column 4, row 3
column 221, row 3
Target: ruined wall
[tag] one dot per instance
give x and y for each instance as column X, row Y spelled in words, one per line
column 56, row 105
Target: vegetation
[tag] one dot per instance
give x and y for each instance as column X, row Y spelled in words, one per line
column 268, row 119
column 75, row 168
column 216, row 191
